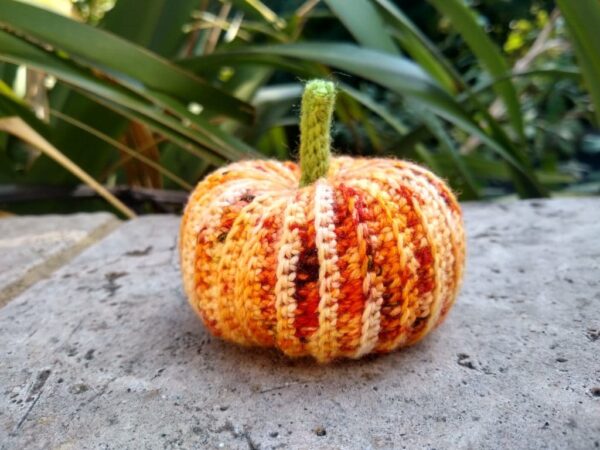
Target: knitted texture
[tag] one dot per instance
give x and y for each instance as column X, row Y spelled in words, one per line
column 315, row 121
column 366, row 259
column 342, row 258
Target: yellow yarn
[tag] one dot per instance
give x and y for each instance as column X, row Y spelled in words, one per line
column 366, row 257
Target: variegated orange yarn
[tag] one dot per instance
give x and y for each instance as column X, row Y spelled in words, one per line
column 349, row 257
column 367, row 260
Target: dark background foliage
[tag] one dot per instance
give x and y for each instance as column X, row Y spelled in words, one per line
column 502, row 103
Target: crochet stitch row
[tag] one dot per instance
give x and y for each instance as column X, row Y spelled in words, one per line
column 366, row 260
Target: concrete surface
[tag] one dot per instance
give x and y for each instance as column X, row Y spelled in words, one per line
column 32, row 247
column 107, row 354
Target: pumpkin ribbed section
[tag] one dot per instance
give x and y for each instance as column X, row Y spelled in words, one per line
column 367, row 260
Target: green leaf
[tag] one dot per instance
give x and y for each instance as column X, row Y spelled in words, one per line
column 18, row 120
column 420, row 151
column 160, row 30
column 487, row 53
column 185, row 138
column 583, row 21
column 470, row 190
column 159, row 27
column 377, row 108
column 404, row 77
column 125, row 61
column 549, row 73
column 419, row 47
column 115, row 144
column 272, row 103
column 8, row 73
column 137, row 106
column 364, row 23
column 208, row 64
column 68, row 138
column 394, row 72
column 183, row 164
column 259, row 10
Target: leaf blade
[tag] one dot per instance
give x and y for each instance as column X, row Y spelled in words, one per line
column 364, row 23
column 20, row 52
column 17, row 120
column 583, row 17
column 487, row 54
column 422, row 50
column 106, row 51
column 404, row 77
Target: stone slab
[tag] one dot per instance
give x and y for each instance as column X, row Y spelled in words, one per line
column 107, row 354
column 32, row 247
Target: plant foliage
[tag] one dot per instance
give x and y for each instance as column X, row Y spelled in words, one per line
column 496, row 102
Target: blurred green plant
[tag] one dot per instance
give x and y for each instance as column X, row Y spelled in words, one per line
column 152, row 95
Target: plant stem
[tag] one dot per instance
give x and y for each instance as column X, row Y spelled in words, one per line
column 318, row 103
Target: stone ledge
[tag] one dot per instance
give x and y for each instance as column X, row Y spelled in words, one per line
column 32, row 247
column 107, row 354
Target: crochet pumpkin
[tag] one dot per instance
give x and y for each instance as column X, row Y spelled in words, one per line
column 338, row 258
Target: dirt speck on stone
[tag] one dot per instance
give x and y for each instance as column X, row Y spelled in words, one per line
column 143, row 252
column 593, row 334
column 79, row 388
column 112, row 287
column 464, row 360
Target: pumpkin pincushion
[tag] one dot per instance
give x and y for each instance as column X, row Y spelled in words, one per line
column 341, row 257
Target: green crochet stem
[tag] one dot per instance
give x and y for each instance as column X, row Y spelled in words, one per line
column 318, row 103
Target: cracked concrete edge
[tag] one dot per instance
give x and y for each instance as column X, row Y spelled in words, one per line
column 55, row 262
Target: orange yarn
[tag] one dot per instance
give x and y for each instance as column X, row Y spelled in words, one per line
column 365, row 257
column 366, row 260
